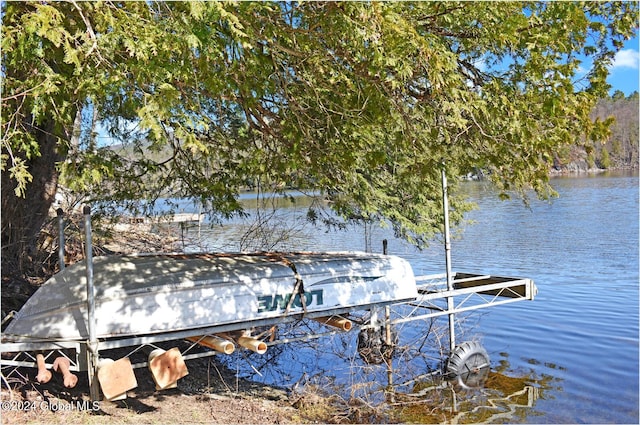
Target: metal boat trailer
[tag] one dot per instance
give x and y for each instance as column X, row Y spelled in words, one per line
column 445, row 294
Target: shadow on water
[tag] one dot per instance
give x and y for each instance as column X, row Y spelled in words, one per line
column 414, row 391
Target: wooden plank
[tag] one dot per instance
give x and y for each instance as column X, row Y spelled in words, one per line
column 167, row 367
column 516, row 288
column 116, row 378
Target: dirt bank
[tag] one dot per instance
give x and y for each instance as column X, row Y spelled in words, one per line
column 209, row 394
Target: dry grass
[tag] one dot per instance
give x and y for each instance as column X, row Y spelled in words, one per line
column 209, row 394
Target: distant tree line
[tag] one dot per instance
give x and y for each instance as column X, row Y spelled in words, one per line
column 618, row 149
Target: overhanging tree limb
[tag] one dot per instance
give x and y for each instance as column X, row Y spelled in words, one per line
column 345, row 98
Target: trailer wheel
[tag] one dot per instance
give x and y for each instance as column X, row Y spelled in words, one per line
column 373, row 348
column 469, row 362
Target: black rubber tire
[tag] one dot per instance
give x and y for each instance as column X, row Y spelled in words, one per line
column 468, row 359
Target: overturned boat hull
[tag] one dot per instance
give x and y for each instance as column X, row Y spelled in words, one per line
column 149, row 294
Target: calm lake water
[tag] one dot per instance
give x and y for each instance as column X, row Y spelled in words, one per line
column 574, row 348
column 582, row 329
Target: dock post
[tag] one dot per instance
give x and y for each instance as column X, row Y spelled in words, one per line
column 388, row 340
column 61, row 242
column 447, row 250
column 92, row 343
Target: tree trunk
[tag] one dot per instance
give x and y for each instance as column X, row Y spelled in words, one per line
column 24, row 217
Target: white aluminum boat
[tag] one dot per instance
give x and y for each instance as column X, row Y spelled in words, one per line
column 150, row 294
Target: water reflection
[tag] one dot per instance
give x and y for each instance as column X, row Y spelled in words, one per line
column 412, row 390
column 490, row 396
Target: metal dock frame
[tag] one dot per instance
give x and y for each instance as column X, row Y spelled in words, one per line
column 471, row 292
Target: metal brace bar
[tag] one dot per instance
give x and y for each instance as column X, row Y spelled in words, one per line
column 30, row 360
column 457, row 310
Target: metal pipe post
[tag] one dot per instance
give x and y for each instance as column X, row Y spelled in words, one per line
column 60, row 213
column 92, row 343
column 447, row 250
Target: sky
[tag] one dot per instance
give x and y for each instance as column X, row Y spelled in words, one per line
column 624, row 71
